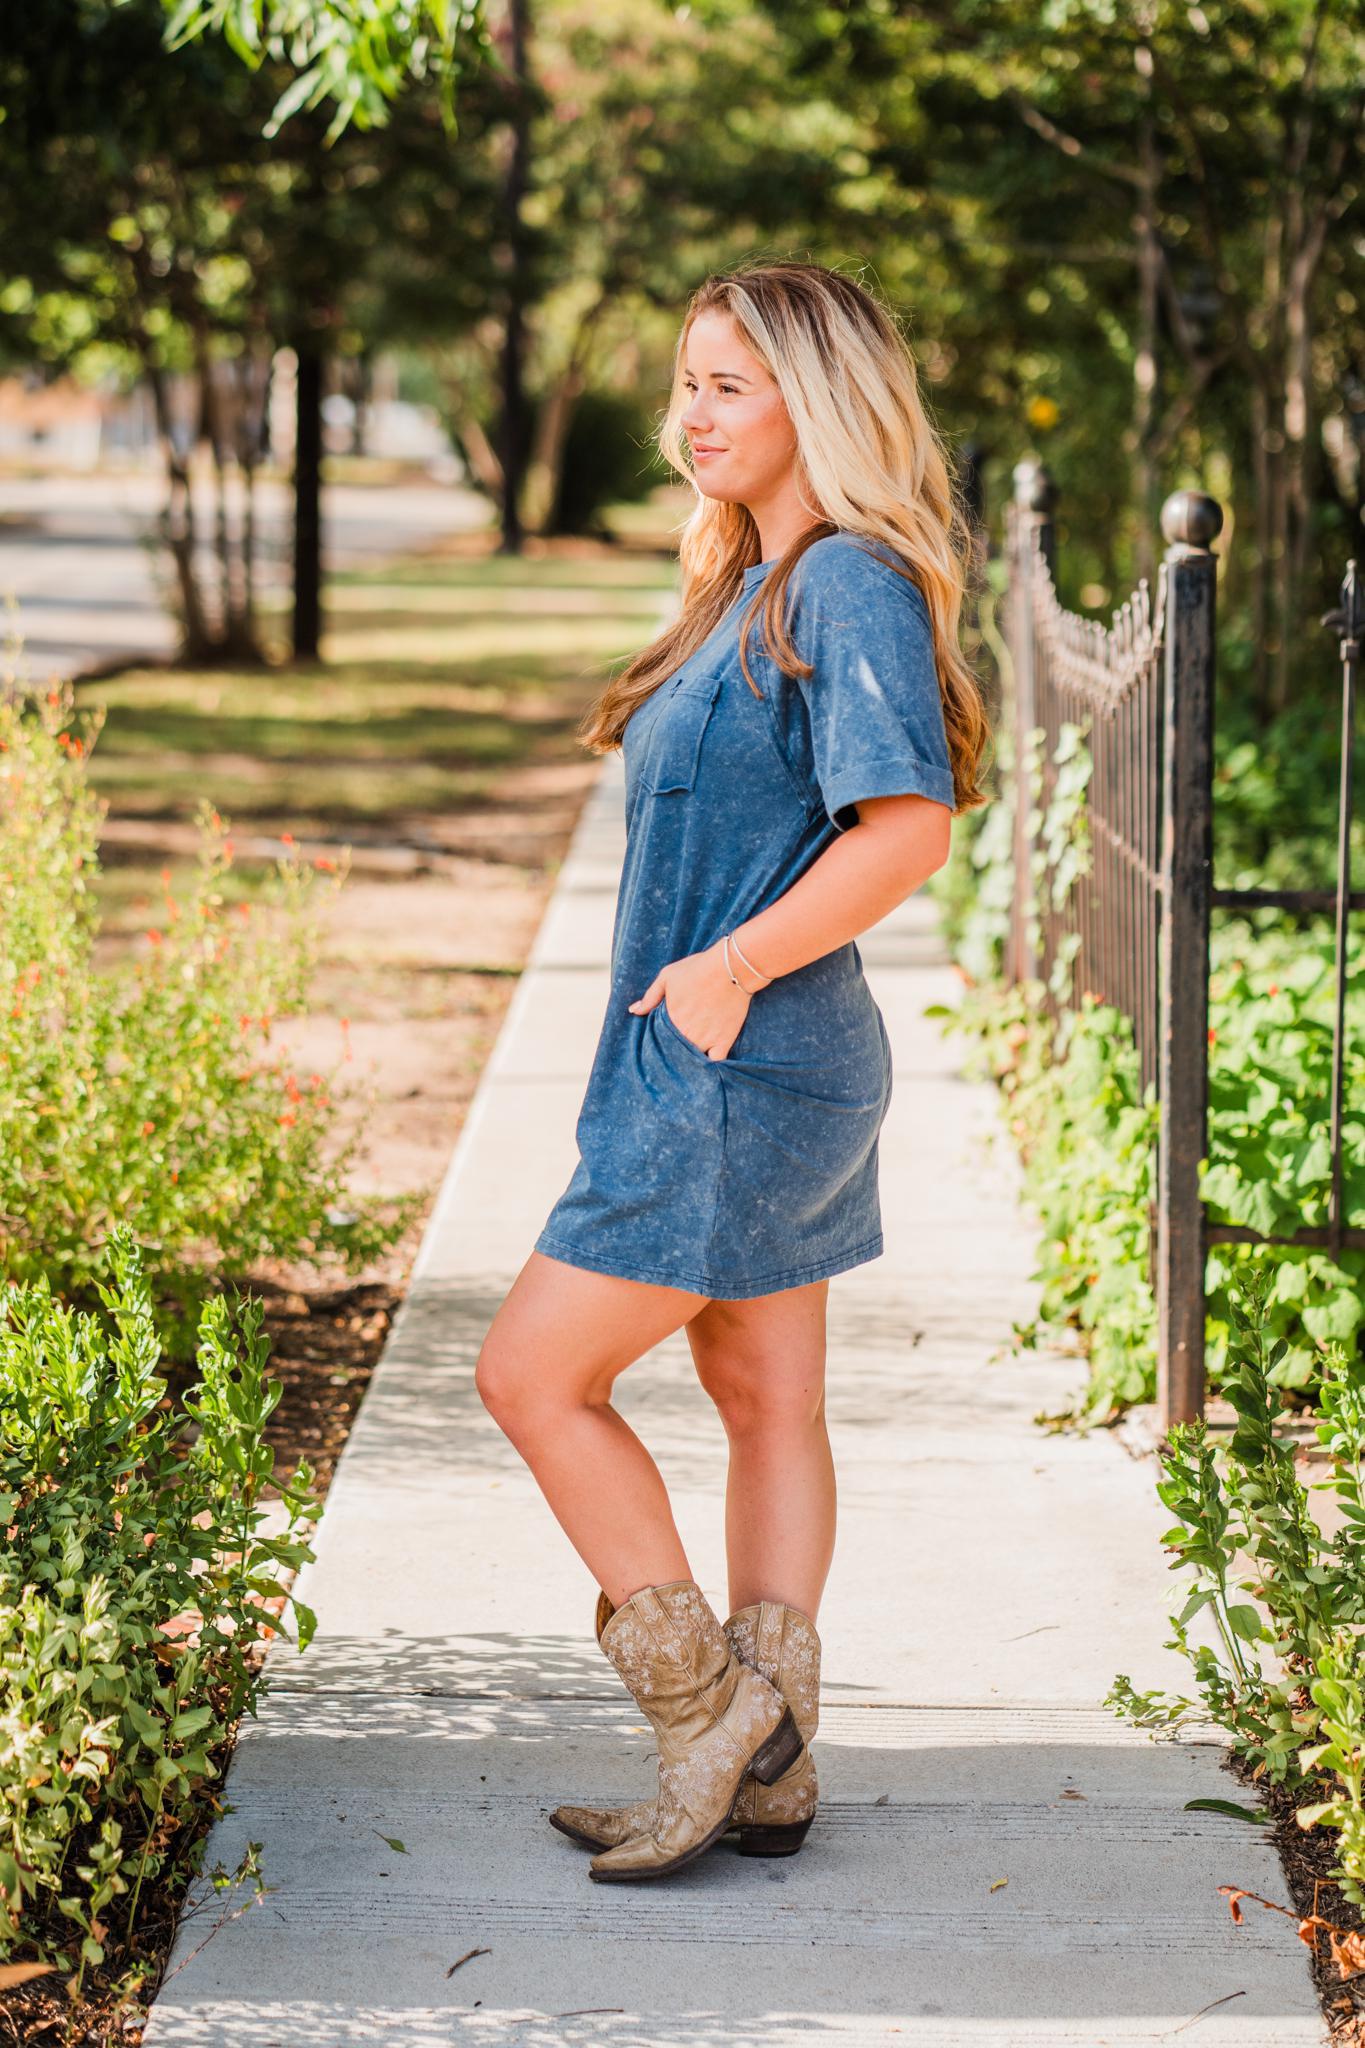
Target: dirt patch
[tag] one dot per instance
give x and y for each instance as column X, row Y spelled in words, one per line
column 1306, row 1856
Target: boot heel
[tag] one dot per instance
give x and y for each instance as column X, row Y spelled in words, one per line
column 779, row 1752
column 782, row 1839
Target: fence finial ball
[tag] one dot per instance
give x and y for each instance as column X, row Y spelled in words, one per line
column 1192, row 519
column 1033, row 486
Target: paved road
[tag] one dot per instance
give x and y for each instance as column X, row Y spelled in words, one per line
column 76, row 556
column 989, row 1581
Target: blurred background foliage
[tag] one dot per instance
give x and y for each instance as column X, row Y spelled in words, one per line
column 1123, row 235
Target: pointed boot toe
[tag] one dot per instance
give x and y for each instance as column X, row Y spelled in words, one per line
column 602, row 1827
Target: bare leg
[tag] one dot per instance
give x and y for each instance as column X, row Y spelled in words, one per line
column 545, row 1373
column 762, row 1362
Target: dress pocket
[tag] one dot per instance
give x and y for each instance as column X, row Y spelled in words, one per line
column 697, row 1051
column 673, row 748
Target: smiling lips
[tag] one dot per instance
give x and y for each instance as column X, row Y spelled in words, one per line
column 700, row 452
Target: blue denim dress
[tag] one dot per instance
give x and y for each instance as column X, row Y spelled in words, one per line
column 742, row 1176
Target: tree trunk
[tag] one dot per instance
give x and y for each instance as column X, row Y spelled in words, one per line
column 547, row 459
column 479, row 450
column 308, row 500
column 513, row 436
column 177, row 517
column 1145, row 367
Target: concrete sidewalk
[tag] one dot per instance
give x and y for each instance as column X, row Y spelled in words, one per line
column 988, row 1583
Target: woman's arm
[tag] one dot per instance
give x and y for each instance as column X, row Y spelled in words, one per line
column 897, row 843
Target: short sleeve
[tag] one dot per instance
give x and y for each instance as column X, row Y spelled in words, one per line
column 873, row 698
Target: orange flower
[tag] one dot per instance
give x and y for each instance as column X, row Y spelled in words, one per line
column 291, row 1116
column 287, row 838
column 175, row 1173
column 155, row 937
column 1274, row 989
column 1213, row 1036
column 147, row 1129
column 328, row 866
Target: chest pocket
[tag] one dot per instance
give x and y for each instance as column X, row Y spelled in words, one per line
column 673, row 748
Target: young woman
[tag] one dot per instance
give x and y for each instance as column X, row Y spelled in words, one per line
column 795, row 746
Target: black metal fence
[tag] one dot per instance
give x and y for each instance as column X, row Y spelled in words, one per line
column 1131, row 923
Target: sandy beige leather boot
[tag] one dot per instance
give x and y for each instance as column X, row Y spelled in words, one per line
column 780, row 1642
column 714, row 1717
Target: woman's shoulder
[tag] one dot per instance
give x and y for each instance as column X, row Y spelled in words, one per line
column 861, row 566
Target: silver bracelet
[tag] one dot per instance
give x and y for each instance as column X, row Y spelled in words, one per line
column 765, row 979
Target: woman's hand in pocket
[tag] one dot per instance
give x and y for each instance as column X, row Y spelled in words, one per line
column 703, row 1003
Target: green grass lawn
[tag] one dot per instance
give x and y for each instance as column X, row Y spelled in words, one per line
column 442, row 677
column 438, row 677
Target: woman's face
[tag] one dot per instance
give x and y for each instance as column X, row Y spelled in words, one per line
column 735, row 423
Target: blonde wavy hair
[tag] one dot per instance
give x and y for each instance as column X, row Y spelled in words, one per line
column 868, row 460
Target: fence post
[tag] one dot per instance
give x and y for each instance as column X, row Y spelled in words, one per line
column 1190, row 522
column 1035, row 496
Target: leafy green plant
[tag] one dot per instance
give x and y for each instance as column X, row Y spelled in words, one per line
column 1086, row 1130
column 1282, row 1662
column 151, row 1095
column 1271, row 998
column 1087, row 1135
column 1071, row 1085
column 138, row 1586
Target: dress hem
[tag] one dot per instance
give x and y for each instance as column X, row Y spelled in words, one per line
column 722, row 1290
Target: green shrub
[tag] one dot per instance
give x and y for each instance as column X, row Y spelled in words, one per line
column 1087, row 1137
column 148, row 1095
column 137, row 1588
column 609, row 459
column 1086, row 1134
column 1271, row 1001
column 1282, row 1666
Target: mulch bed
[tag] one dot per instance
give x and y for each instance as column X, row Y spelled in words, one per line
column 1306, row 1856
column 324, row 1344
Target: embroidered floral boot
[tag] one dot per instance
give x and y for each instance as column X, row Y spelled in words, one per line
column 715, row 1719
column 781, row 1643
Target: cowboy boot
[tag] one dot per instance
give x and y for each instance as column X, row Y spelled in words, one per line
column 602, row 1827
column 782, row 1644
column 715, row 1720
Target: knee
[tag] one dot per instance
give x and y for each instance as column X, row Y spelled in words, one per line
column 749, row 1406
column 502, row 1386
